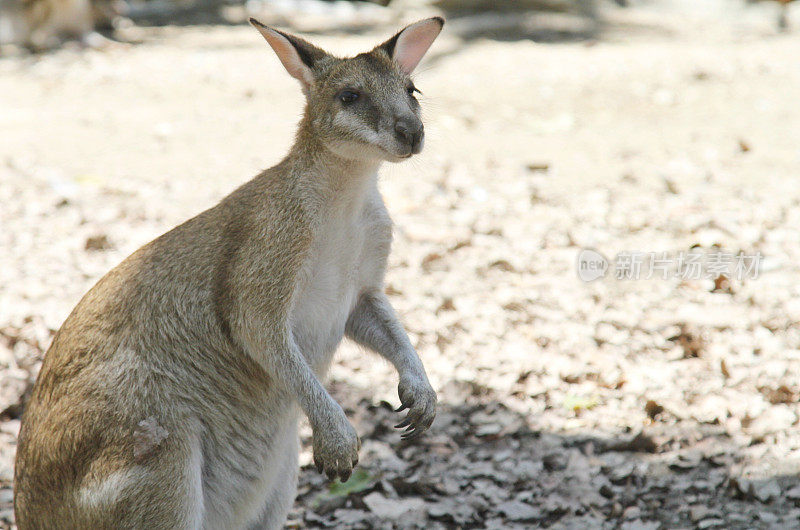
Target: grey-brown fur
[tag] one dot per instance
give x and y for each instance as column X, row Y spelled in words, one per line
column 170, row 396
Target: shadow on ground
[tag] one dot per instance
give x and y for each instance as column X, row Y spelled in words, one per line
column 483, row 466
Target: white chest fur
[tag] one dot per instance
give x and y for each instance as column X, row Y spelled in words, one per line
column 347, row 257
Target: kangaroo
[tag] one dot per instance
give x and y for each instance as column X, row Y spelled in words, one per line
column 45, row 24
column 170, row 397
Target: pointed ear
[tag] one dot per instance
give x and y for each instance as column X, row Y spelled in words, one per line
column 411, row 42
column 297, row 55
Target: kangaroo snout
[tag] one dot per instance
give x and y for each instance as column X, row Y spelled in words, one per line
column 410, row 132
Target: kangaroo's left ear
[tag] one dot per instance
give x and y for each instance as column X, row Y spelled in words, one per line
column 409, row 45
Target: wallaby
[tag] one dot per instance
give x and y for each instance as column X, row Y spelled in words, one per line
column 46, row 24
column 170, row 397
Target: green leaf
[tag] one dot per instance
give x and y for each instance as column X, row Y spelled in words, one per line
column 360, row 480
column 578, row 403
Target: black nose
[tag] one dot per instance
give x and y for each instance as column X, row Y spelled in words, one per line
column 409, row 131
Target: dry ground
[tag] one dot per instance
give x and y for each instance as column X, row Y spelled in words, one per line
column 614, row 404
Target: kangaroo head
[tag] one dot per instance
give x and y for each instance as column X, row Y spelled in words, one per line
column 362, row 107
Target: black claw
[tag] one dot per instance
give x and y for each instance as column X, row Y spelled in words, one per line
column 411, row 435
column 400, row 408
column 405, row 423
column 415, row 433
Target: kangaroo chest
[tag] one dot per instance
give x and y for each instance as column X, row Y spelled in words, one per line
column 347, row 257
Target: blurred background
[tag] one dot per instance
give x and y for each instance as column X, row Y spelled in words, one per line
column 662, row 126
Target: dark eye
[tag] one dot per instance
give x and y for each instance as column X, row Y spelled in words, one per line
column 411, row 89
column 348, row 96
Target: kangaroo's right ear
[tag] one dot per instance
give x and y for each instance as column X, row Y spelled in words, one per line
column 297, row 55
